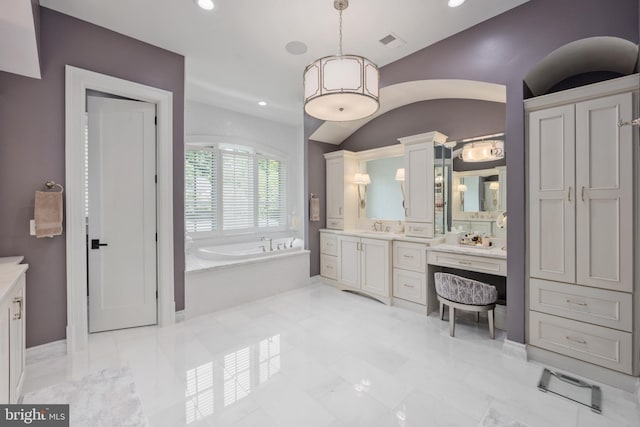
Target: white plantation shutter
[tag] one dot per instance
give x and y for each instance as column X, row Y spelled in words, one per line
column 271, row 193
column 200, row 197
column 237, row 190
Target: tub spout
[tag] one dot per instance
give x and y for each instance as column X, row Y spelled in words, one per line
column 293, row 239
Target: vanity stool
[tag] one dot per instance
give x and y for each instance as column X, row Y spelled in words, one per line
column 465, row 294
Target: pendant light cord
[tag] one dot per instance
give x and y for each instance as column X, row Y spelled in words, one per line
column 341, row 32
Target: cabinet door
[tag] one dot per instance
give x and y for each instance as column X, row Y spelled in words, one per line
column 604, row 180
column 552, row 194
column 17, row 341
column 335, row 188
column 375, row 270
column 419, row 182
column 349, row 261
column 4, row 353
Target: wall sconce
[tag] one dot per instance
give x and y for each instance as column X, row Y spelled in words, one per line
column 362, row 179
column 483, row 151
column 400, row 177
column 462, row 188
column 495, row 186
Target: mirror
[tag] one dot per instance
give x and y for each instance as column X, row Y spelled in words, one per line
column 479, row 191
column 384, row 196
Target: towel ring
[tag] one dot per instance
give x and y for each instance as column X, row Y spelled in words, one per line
column 51, row 184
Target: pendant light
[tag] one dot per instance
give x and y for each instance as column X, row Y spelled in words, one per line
column 341, row 87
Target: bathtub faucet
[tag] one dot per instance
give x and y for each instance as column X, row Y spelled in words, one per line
column 293, row 239
column 270, row 242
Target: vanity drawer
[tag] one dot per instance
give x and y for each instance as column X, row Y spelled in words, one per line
column 410, row 256
column 335, row 223
column 602, row 307
column 602, row 346
column 419, row 229
column 328, row 244
column 410, row 286
column 329, row 266
column 480, row 264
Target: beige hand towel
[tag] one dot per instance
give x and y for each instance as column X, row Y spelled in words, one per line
column 314, row 209
column 48, row 213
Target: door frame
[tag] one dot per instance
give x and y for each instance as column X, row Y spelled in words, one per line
column 77, row 82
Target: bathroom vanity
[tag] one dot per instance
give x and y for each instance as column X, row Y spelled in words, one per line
column 12, row 328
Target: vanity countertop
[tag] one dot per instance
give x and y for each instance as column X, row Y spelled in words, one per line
column 383, row 235
column 9, row 275
column 470, row 250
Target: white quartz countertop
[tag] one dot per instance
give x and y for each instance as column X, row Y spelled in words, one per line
column 383, row 235
column 9, row 275
column 470, row 250
column 11, row 259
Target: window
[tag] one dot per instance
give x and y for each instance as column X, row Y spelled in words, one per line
column 233, row 191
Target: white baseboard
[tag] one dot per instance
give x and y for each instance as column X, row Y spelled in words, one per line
column 180, row 316
column 46, row 351
column 515, row 350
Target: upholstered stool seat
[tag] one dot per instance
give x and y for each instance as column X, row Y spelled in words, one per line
column 465, row 294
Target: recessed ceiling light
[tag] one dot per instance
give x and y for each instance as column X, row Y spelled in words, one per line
column 262, row 103
column 205, row 4
column 456, row 3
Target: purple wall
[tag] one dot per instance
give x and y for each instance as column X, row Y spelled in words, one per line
column 503, row 50
column 32, row 151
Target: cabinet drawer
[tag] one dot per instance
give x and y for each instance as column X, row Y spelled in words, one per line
column 328, row 244
column 410, row 256
column 410, row 286
column 329, row 266
column 335, row 223
column 602, row 346
column 480, row 264
column 602, row 307
column 419, row 229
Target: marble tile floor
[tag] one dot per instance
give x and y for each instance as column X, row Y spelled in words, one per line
column 320, row 357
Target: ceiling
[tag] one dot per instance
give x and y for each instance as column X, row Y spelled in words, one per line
column 235, row 54
column 18, row 45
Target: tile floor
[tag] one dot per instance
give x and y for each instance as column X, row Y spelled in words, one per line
column 320, row 357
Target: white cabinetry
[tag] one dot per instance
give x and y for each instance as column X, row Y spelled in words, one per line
column 419, row 181
column 581, row 220
column 364, row 265
column 12, row 331
column 410, row 272
column 328, row 255
column 341, row 192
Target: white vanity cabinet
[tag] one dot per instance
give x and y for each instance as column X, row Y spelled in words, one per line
column 341, row 167
column 328, row 255
column 581, row 222
column 12, row 331
column 419, row 182
column 410, row 272
column 364, row 264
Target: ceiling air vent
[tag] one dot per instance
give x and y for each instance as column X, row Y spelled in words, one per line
column 392, row 40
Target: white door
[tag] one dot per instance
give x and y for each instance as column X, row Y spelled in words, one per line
column 375, row 270
column 419, row 180
column 604, row 180
column 349, row 261
column 335, row 188
column 122, row 214
column 552, row 194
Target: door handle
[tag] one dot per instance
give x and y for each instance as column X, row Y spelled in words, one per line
column 95, row 244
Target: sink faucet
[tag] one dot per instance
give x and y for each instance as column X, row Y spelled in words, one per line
column 270, row 242
column 376, row 224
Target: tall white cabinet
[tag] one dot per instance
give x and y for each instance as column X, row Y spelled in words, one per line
column 581, row 223
column 419, row 182
column 341, row 191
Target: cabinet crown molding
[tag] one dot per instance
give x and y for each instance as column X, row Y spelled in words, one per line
column 435, row 137
column 338, row 154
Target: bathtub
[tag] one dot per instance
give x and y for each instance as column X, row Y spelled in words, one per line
column 222, row 276
column 250, row 250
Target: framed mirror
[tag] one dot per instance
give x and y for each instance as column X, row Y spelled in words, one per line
column 384, row 194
